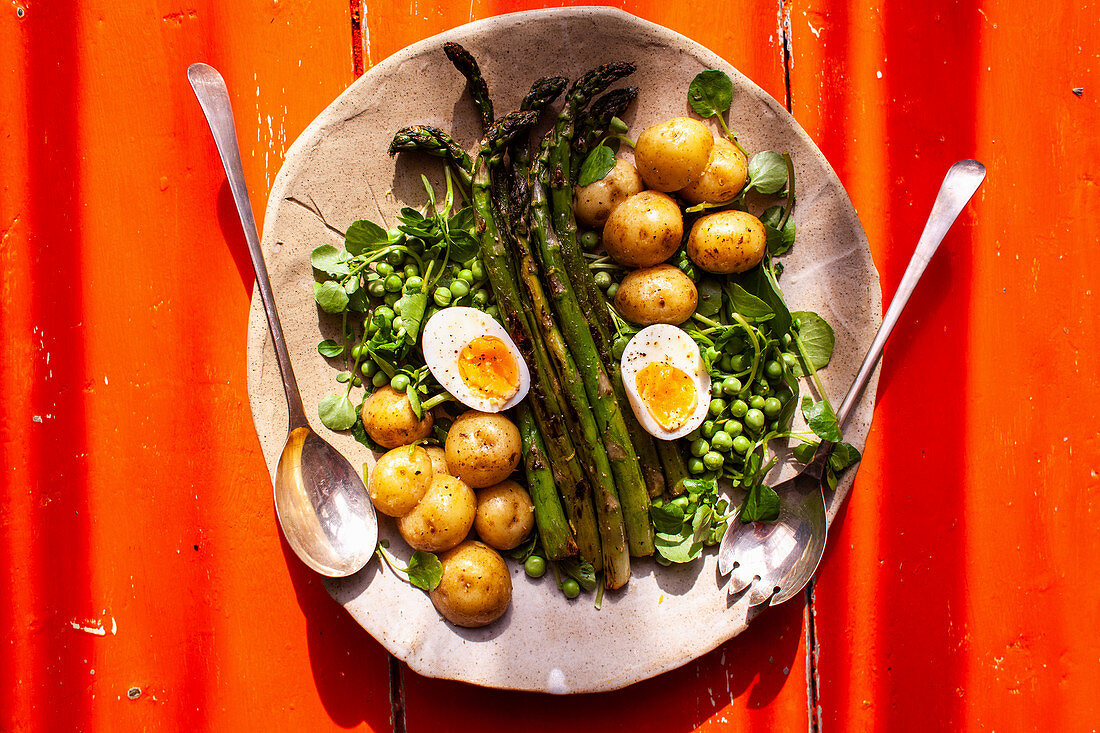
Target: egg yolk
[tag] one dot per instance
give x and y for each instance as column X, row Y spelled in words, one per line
column 668, row 394
column 488, row 368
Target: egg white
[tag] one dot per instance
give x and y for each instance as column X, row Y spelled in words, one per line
column 445, row 335
column 671, row 345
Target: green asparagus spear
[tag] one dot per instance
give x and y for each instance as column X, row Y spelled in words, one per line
column 557, row 539
column 596, row 123
column 437, row 143
column 479, row 90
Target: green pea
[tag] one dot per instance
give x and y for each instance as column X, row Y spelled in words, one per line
column 754, row 420
column 357, row 382
column 356, row 351
column 535, row 566
column 682, row 502
column 372, row 328
column 762, row 388
column 735, row 345
column 612, row 291
column 411, row 270
column 442, row 297
column 798, row 324
column 773, row 370
column 699, row 448
column 377, row 289
column 741, row 444
column 368, row 368
column 396, row 258
column 589, row 240
column 713, row 461
column 570, row 588
column 772, row 406
column 393, row 283
column 738, row 408
column 481, row 298
column 619, row 347
column 716, row 389
column 400, row 382
column 493, row 312
column 384, row 269
column 725, row 363
column 414, row 284
column 731, row 386
column 385, row 312
column 790, row 360
column 721, row 442
column 734, row 427
column 756, row 402
column 379, row 379
column 695, row 466
column 391, row 299
column 398, row 323
column 467, row 276
column 786, row 340
column 739, row 363
column 460, row 288
column 603, row 280
column 477, row 270
column 716, row 407
column 708, row 428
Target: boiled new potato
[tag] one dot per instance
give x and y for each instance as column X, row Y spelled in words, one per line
column 439, row 459
column 659, row 294
column 724, row 177
column 505, row 515
column 400, row 479
column 595, row 202
column 390, row 420
column 482, row 448
column 443, row 517
column 672, row 154
column 727, row 242
column 476, row 588
column 644, row 230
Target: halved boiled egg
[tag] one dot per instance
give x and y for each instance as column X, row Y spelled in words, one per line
column 666, row 381
column 474, row 358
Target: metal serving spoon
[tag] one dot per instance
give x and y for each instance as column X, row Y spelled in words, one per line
column 320, row 499
column 782, row 556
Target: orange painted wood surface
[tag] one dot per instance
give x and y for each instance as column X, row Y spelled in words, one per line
column 136, row 529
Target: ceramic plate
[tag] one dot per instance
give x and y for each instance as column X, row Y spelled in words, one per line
column 338, row 171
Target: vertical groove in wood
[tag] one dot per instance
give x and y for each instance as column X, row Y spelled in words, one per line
column 356, row 12
column 397, row 694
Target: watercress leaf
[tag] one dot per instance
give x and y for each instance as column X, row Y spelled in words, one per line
column 668, row 518
column 701, row 524
column 330, row 348
column 330, row 296
column 830, row 478
column 414, row 401
column 817, row 338
column 843, row 455
column 760, row 283
column 410, row 215
column 768, row 172
column 343, row 377
column 359, row 432
column 677, row 548
column 710, row 93
column 580, row 571
column 804, row 452
column 425, row 571
column 701, row 486
column 525, row 549
column 778, row 241
column 462, row 220
column 748, row 305
column 597, row 165
column 411, row 307
column 710, row 298
column 789, row 398
column 358, row 301
column 821, row 419
column 351, row 285
column 363, row 236
column 464, row 246
column 716, row 534
column 336, row 412
column 761, row 505
column 326, row 258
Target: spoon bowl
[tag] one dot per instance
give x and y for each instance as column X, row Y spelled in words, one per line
column 322, row 504
column 776, row 560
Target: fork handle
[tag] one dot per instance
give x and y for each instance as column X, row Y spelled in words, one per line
column 959, row 185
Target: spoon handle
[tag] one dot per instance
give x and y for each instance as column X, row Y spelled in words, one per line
column 214, row 99
column 959, row 185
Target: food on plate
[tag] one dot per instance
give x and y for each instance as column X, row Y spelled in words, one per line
column 727, row 242
column 482, row 448
column 475, row 589
column 672, row 154
column 390, row 420
column 399, row 480
column 595, row 202
column 644, row 230
column 666, row 380
column 505, row 515
column 658, row 294
column 722, row 179
column 438, row 457
column 442, row 518
column 474, row 359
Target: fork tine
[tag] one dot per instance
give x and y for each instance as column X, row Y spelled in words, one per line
column 740, row 579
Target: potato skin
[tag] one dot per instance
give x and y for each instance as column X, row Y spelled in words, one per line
column 644, row 230
column 505, row 515
column 724, row 177
column 595, row 202
column 476, row 587
column 390, row 420
column 672, row 154
column 400, row 479
column 443, row 517
column 727, row 242
column 482, row 448
column 659, row 294
column 438, row 457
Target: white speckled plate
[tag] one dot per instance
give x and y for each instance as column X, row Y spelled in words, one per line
column 339, row 168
